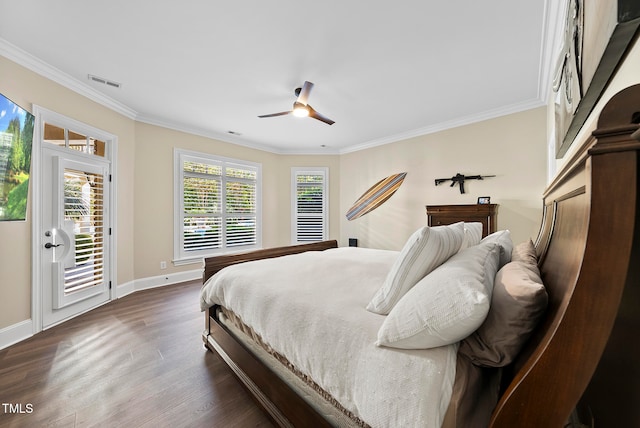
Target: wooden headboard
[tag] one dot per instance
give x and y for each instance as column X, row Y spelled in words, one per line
column 588, row 249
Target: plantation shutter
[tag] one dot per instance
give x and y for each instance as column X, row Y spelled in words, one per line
column 84, row 211
column 310, row 210
column 218, row 207
column 202, row 208
column 240, row 221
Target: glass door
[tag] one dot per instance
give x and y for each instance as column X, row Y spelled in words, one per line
column 75, row 253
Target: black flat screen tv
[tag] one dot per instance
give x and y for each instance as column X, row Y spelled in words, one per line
column 16, row 138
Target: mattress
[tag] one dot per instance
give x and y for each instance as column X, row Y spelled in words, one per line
column 309, row 309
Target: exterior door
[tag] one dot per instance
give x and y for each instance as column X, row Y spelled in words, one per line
column 75, row 246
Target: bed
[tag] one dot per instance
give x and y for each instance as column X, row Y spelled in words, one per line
column 574, row 353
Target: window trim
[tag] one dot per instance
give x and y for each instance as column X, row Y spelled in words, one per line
column 179, row 257
column 295, row 171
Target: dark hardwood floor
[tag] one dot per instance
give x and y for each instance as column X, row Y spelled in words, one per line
column 136, row 362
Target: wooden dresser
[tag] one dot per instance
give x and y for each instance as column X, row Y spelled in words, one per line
column 439, row 215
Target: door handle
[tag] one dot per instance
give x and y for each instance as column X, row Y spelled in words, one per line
column 50, row 245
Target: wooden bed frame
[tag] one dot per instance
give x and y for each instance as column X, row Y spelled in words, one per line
column 581, row 364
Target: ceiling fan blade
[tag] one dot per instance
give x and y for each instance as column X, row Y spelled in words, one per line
column 282, row 113
column 314, row 114
column 304, row 93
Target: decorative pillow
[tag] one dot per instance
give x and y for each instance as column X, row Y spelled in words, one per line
column 518, row 302
column 503, row 239
column 525, row 252
column 472, row 235
column 447, row 305
column 426, row 249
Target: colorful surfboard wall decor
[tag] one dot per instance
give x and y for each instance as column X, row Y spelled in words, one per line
column 376, row 195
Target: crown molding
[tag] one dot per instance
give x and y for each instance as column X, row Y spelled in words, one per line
column 443, row 126
column 40, row 67
column 230, row 138
column 225, row 138
column 551, row 27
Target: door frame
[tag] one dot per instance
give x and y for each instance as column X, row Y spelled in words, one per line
column 43, row 115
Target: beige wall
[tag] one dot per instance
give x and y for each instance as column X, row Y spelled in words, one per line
column 510, row 147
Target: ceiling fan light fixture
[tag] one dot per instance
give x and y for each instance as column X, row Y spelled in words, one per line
column 300, row 110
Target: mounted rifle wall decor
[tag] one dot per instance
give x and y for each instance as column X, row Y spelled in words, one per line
column 459, row 179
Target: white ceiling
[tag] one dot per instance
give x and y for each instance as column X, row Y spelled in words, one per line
column 382, row 70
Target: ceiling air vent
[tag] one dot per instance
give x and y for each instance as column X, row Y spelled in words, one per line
column 104, row 81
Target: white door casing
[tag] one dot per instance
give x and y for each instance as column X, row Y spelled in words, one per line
column 73, row 218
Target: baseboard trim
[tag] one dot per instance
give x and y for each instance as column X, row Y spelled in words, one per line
column 15, row 333
column 125, row 289
column 158, row 281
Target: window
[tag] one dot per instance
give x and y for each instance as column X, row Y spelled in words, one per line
column 310, row 220
column 73, row 140
column 217, row 205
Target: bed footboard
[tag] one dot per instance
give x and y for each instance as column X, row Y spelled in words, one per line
column 285, row 407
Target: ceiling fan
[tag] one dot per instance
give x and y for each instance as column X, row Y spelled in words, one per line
column 301, row 108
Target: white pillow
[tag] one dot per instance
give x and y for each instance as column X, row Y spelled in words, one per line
column 447, row 305
column 503, row 239
column 472, row 235
column 426, row 249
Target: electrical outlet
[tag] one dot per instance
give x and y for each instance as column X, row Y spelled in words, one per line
column 163, row 265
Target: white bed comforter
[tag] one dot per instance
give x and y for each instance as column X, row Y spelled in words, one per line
column 310, row 307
